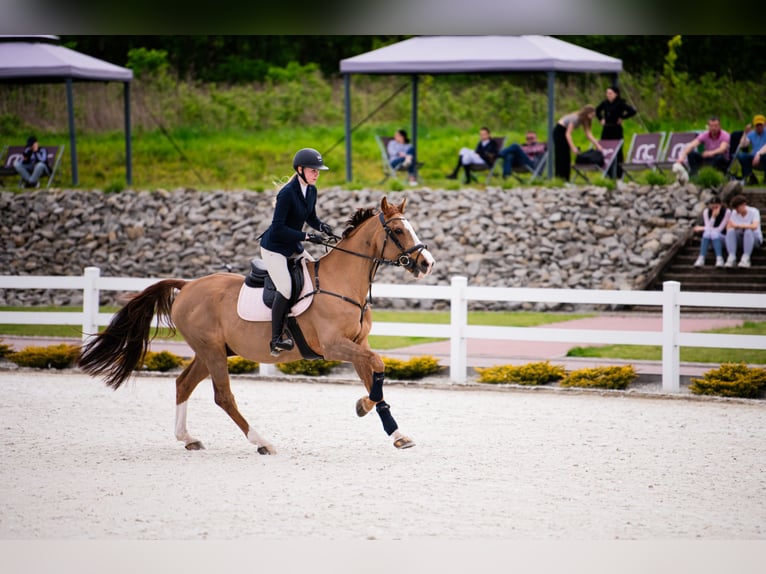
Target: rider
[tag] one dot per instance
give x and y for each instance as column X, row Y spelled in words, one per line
column 295, row 206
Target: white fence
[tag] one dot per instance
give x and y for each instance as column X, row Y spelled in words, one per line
column 458, row 293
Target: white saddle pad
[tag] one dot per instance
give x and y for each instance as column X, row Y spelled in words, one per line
column 250, row 306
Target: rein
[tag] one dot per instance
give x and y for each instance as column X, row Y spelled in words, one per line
column 403, row 259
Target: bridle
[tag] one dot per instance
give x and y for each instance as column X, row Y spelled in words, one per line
column 403, row 259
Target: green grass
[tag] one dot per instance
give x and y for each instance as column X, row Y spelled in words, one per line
column 688, row 354
column 493, row 318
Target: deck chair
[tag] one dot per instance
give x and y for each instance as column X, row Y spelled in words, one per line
column 500, row 141
column 389, row 171
column 674, row 145
column 540, row 160
column 610, row 147
column 12, row 154
column 644, row 153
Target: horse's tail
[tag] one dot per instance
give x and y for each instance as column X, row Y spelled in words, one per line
column 118, row 350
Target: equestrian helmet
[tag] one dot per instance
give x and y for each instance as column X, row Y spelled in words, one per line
column 308, row 157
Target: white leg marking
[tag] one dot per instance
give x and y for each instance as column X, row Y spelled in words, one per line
column 181, row 433
column 258, row 440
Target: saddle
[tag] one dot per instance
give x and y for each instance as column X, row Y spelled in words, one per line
column 259, row 278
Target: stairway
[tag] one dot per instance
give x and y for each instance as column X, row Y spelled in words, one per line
column 680, row 267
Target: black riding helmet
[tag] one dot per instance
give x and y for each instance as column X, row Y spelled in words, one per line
column 308, row 157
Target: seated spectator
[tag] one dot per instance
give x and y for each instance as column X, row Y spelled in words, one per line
column 529, row 155
column 755, row 142
column 716, row 149
column 34, row 163
column 715, row 218
column 401, row 153
column 743, row 230
column 563, row 144
column 485, row 154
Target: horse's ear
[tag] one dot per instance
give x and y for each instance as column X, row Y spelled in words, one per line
column 401, row 205
column 384, row 206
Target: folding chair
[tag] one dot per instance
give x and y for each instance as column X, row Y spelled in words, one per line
column 540, row 159
column 500, row 141
column 610, row 149
column 644, row 153
column 12, row 154
column 674, row 145
column 389, row 171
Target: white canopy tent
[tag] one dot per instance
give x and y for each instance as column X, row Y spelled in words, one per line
column 473, row 54
column 39, row 59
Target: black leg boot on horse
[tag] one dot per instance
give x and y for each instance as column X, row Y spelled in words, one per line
column 279, row 341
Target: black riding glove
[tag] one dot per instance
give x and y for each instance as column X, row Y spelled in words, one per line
column 326, row 229
column 314, row 238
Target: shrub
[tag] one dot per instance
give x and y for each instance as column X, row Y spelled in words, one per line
column 60, row 356
column 414, row 368
column 656, row 178
column 731, row 380
column 238, row 365
column 312, row 368
column 5, row 349
column 161, row 361
column 708, row 177
column 530, row 374
column 601, row 377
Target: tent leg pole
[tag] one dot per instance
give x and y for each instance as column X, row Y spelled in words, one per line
column 72, row 138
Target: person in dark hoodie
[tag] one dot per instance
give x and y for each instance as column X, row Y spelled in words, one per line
column 34, row 163
column 295, row 207
column 611, row 113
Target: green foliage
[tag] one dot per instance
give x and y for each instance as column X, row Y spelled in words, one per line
column 414, row 368
column 601, row 377
column 239, row 365
column 146, row 62
column 60, row 356
column 606, row 182
column 731, row 380
column 161, row 361
column 708, row 177
column 396, row 185
column 115, row 187
column 5, row 349
column 313, row 368
column 657, row 178
column 538, row 373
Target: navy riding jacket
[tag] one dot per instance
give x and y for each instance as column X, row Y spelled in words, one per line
column 292, row 211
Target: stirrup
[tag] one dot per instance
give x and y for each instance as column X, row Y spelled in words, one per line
column 279, row 345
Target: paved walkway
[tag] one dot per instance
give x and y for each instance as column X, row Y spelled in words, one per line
column 489, row 352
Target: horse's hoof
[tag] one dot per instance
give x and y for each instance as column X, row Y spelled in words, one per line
column 196, row 445
column 404, row 442
column 363, row 406
column 266, row 450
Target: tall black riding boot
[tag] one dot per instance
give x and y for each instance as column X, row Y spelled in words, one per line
column 467, row 169
column 279, row 310
column 455, row 171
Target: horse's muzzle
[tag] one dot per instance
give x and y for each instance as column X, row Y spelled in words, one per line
column 424, row 264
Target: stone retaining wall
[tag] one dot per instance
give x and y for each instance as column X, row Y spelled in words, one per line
column 575, row 237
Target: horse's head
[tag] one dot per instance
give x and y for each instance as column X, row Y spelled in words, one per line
column 401, row 242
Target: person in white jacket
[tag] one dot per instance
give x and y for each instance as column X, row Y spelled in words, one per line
column 715, row 218
column 743, row 229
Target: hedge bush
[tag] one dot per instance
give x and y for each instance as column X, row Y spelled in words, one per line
column 538, row 373
column 238, row 365
column 731, row 380
column 161, row 361
column 312, row 368
column 414, row 368
column 5, row 349
column 60, row 356
column 601, row 377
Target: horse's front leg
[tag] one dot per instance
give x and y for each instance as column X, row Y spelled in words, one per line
column 371, row 369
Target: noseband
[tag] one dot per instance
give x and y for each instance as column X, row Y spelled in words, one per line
column 404, row 258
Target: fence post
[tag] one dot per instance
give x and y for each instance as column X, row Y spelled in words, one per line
column 458, row 355
column 671, row 327
column 90, row 302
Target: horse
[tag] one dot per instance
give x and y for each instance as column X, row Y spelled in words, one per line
column 204, row 311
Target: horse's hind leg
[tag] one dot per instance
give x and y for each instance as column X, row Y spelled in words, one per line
column 224, row 398
column 186, row 382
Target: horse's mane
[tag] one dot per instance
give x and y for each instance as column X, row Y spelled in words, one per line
column 362, row 214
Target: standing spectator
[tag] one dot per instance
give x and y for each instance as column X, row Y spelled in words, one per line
column 755, row 142
column 34, row 163
column 401, row 153
column 563, row 145
column 715, row 218
column 610, row 113
column 485, row 153
column 716, row 152
column 743, row 229
column 516, row 155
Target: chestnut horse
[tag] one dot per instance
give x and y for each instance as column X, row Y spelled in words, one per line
column 204, row 311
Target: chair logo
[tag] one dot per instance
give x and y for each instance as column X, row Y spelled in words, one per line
column 645, row 153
